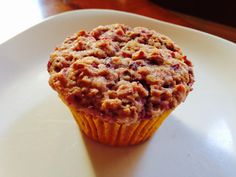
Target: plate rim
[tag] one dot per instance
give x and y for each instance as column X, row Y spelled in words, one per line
column 68, row 13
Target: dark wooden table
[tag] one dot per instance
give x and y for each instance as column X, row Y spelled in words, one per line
column 25, row 13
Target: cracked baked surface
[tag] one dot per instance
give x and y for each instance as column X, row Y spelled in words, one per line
column 121, row 72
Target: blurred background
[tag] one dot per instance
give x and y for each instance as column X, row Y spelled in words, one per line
column 215, row 17
column 218, row 11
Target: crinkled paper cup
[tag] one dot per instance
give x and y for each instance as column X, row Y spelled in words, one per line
column 116, row 134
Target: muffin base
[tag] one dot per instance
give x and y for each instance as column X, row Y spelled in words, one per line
column 115, row 134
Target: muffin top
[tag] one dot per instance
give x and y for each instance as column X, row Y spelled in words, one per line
column 121, row 73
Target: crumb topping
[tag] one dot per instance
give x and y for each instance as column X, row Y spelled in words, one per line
column 121, row 72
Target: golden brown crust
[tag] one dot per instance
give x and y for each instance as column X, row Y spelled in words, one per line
column 121, row 72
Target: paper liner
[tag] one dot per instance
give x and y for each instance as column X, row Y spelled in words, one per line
column 115, row 134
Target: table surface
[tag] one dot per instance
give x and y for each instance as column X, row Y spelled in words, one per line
column 25, row 13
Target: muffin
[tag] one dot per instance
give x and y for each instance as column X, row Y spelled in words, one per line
column 120, row 82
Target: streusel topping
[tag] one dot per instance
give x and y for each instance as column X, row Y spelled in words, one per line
column 121, row 72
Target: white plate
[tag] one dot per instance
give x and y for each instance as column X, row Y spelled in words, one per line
column 39, row 138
